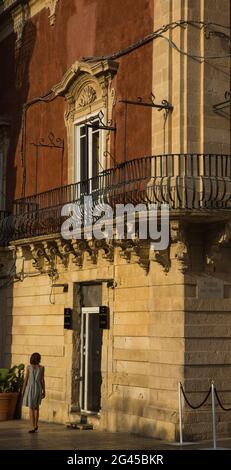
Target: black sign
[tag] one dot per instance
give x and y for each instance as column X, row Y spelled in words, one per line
column 68, row 318
column 104, row 317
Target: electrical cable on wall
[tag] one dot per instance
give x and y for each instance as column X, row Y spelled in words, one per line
column 159, row 34
column 47, row 98
column 50, row 96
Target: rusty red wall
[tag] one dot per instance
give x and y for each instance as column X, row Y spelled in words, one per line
column 82, row 28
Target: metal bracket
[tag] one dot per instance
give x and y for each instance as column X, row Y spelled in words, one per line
column 220, row 108
column 52, row 142
column 151, row 103
column 165, row 105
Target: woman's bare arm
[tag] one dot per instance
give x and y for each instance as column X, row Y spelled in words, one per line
column 25, row 380
column 43, row 383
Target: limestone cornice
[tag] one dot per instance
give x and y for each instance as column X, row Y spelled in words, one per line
column 51, row 251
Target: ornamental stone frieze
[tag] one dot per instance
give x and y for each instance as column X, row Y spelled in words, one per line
column 50, row 253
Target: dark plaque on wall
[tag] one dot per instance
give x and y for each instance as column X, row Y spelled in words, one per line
column 104, row 317
column 68, row 318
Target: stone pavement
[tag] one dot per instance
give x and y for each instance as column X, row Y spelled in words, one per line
column 14, row 436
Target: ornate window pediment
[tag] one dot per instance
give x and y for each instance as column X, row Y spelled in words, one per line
column 85, row 85
column 87, row 89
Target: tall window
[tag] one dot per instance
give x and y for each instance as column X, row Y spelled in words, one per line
column 88, row 154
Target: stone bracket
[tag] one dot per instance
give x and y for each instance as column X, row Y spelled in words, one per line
column 216, row 239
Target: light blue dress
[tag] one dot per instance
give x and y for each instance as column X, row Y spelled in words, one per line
column 33, row 393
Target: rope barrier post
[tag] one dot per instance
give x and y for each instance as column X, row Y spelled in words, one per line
column 213, row 417
column 180, row 413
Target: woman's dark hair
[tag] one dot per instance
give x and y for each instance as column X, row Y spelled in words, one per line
column 35, row 359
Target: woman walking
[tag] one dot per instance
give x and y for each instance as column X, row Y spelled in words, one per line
column 34, row 389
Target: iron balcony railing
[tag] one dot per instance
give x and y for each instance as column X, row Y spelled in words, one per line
column 184, row 181
column 3, row 214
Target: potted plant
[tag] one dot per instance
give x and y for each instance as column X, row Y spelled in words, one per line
column 11, row 381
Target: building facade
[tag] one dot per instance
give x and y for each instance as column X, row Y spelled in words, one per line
column 122, row 101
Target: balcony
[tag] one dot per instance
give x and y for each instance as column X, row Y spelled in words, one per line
column 3, row 214
column 190, row 183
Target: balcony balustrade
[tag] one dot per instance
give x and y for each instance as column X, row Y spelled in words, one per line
column 189, row 182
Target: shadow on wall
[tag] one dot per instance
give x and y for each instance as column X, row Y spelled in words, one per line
column 16, row 53
column 135, row 417
column 15, row 57
column 7, row 274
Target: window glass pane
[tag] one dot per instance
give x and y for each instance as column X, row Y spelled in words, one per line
column 83, row 160
column 82, row 131
column 89, row 155
column 95, row 157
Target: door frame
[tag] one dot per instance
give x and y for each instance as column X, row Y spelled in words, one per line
column 84, row 393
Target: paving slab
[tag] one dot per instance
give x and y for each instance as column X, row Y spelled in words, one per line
column 14, row 436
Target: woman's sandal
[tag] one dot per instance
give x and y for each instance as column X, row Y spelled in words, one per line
column 32, row 431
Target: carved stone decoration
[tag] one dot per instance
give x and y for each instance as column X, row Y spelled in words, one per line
column 51, row 4
column 181, row 248
column 224, row 235
column 50, row 253
column 182, row 255
column 126, row 247
column 217, row 238
column 163, row 258
column 92, row 250
column 63, row 250
column 87, row 96
column 142, row 250
column 178, row 249
column 212, row 259
column 20, row 16
column 69, row 113
column 77, row 249
column 107, row 247
column 38, row 255
column 113, row 97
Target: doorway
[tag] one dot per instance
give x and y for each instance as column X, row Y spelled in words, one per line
column 90, row 356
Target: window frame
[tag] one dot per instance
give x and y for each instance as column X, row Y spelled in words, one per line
column 77, row 151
